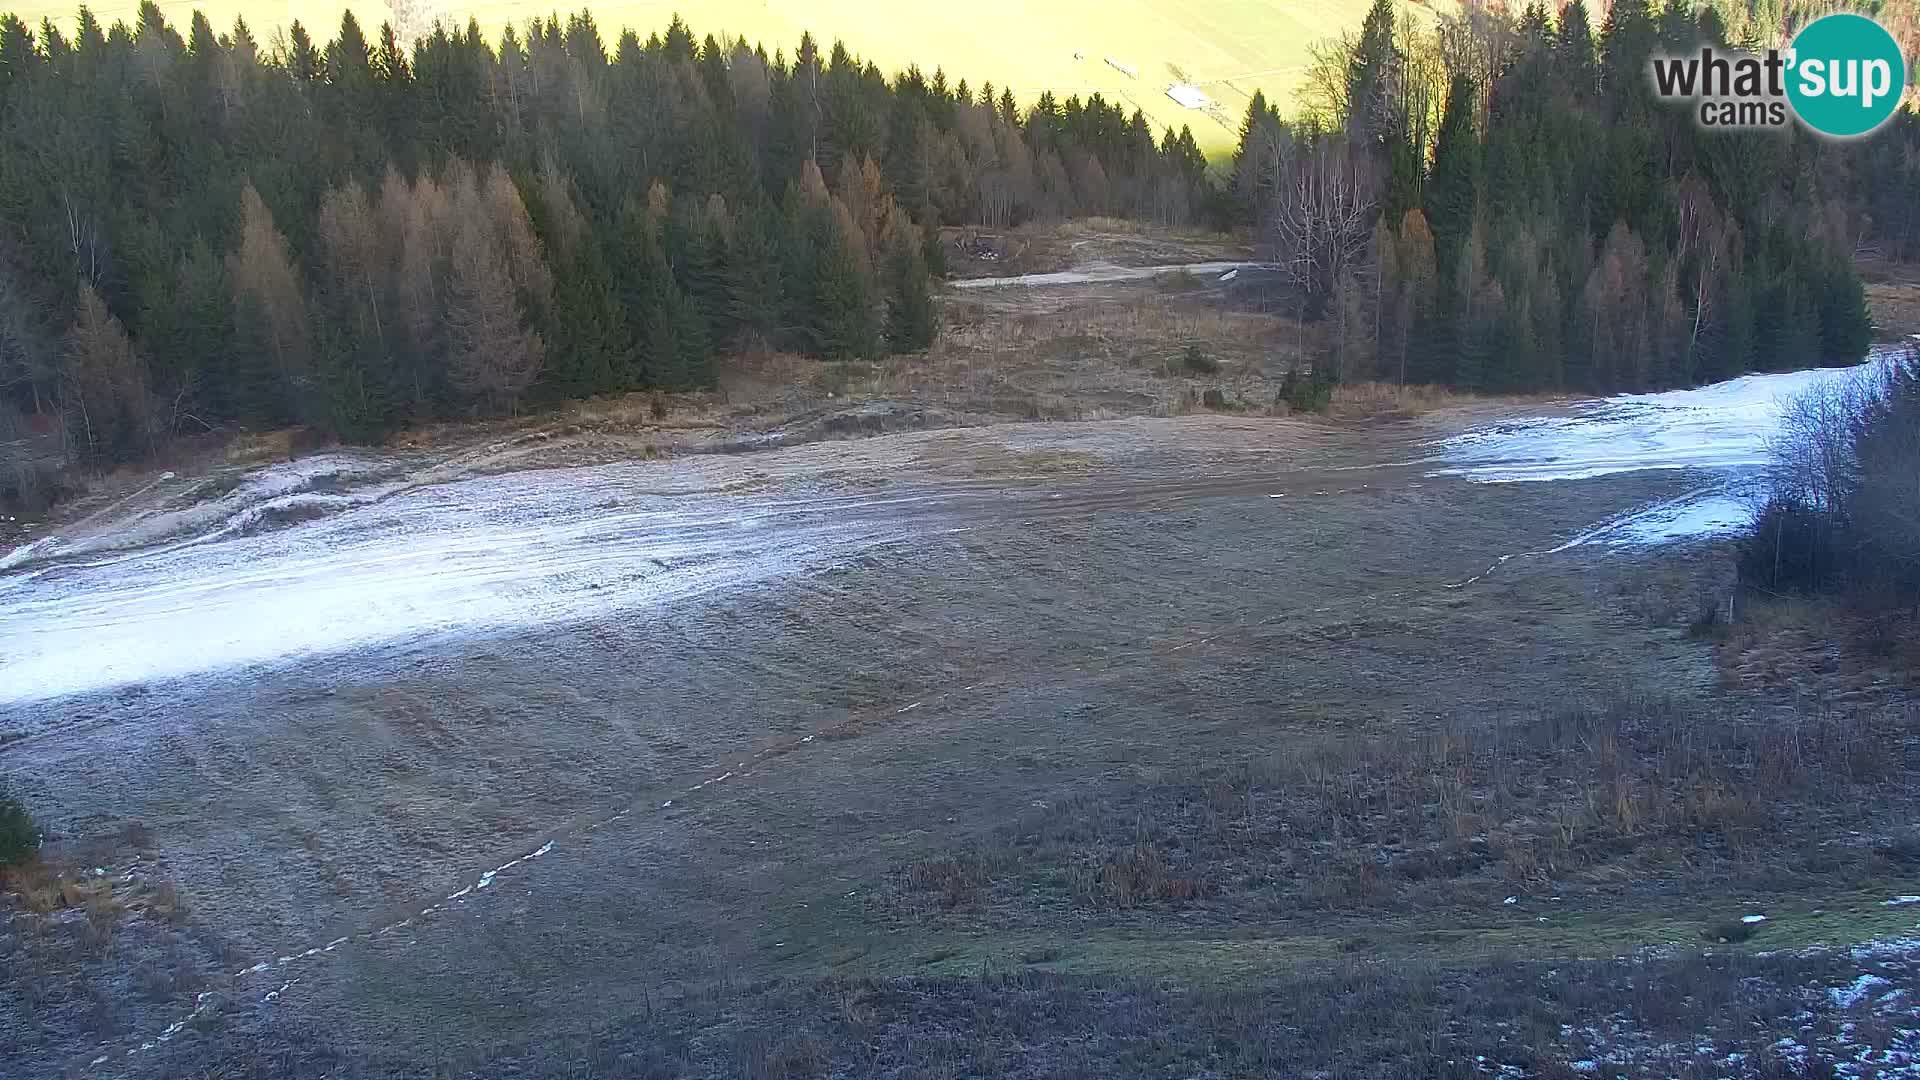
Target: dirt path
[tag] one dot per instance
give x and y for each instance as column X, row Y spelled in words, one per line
column 1097, row 274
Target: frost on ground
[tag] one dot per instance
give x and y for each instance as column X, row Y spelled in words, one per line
column 1723, row 428
column 1864, row 1026
column 499, row 552
column 1100, row 274
column 187, row 512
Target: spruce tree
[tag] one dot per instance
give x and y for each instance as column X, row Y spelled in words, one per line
column 1453, row 188
column 1369, row 70
column 911, row 319
column 756, row 294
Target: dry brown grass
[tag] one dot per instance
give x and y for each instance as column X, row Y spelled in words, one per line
column 1642, row 790
column 1044, row 248
column 1094, row 353
column 1368, row 399
column 1896, row 308
column 164, row 901
column 1818, row 648
column 45, row 885
column 1134, row 876
column 960, row 880
column 38, row 885
column 1893, row 298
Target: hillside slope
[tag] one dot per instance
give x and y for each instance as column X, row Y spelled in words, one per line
column 1225, row 48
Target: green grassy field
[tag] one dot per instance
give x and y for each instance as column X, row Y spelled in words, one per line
column 1226, row 47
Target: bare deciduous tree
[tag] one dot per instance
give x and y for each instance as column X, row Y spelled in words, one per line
column 354, row 251
column 103, row 385
column 410, row 217
column 270, row 302
column 1321, row 214
column 526, row 262
column 492, row 356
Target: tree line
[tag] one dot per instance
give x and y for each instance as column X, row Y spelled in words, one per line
column 205, row 233
column 1500, row 203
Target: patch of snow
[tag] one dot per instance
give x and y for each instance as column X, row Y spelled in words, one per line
column 21, row 554
column 288, row 491
column 1099, row 274
column 1189, row 96
column 1863, row 987
column 1705, row 515
column 1722, row 426
column 505, row 552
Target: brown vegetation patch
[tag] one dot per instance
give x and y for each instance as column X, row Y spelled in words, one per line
column 1818, row 648
column 1893, row 297
column 1643, row 791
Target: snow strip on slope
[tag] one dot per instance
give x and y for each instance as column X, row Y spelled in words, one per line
column 1724, row 426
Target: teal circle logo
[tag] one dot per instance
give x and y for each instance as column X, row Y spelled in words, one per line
column 1846, row 75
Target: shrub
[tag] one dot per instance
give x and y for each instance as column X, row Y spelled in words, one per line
column 1843, row 510
column 19, row 836
column 1198, row 362
column 31, row 475
column 1791, row 546
column 1305, row 393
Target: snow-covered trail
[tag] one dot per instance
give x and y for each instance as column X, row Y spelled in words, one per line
column 519, row 550
column 1722, row 429
column 1100, row 274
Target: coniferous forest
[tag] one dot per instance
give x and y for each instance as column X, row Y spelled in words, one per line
column 1502, row 204
column 201, row 231
column 204, row 232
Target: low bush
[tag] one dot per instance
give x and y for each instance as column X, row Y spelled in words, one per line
column 1305, row 393
column 19, row 836
column 1843, row 511
column 1197, row 362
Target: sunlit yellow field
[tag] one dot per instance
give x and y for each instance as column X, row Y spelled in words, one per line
column 1226, row 48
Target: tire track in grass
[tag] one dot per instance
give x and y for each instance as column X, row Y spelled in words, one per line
column 206, row 1001
column 1596, row 532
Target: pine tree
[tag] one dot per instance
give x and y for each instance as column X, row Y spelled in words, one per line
column 911, row 319
column 187, row 320
column 589, row 339
column 704, row 268
column 103, row 386
column 1453, row 187
column 1369, row 71
column 270, row 319
column 756, row 294
column 1573, row 53
column 303, row 60
column 843, row 322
